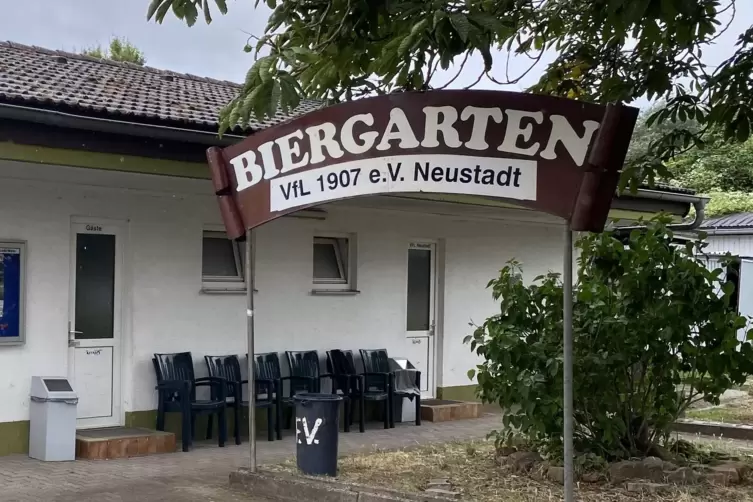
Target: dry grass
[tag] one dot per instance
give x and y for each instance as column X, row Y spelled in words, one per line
column 738, row 411
column 470, row 467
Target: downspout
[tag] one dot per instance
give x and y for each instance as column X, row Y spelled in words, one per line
column 699, row 204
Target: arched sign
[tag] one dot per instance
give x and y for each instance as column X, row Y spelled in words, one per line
column 551, row 154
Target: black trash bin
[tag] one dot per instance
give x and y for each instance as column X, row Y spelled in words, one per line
column 317, row 425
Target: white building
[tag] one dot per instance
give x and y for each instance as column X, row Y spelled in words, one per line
column 103, row 176
column 732, row 233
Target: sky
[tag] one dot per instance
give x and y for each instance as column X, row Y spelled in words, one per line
column 216, row 50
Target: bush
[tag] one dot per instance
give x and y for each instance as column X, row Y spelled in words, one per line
column 647, row 316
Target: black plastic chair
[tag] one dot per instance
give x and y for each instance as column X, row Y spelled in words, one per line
column 229, row 367
column 377, row 362
column 352, row 387
column 176, row 386
column 306, row 364
column 267, row 367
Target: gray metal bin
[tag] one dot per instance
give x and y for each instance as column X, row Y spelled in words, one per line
column 52, row 413
column 405, row 409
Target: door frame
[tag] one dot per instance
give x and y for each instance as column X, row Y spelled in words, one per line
column 433, row 336
column 120, row 230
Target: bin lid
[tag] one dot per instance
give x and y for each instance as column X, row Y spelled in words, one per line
column 316, row 396
column 402, row 363
column 47, row 387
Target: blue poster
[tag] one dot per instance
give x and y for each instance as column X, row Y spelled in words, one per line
column 10, row 293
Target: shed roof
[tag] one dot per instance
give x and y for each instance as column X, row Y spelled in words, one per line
column 730, row 221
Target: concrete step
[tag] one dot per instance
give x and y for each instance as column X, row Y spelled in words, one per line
column 443, row 410
column 122, row 442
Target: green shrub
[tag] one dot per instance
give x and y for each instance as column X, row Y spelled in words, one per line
column 646, row 318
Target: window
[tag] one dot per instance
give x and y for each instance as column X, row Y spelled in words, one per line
column 222, row 262
column 332, row 269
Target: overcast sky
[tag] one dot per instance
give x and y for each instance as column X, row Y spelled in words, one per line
column 214, row 50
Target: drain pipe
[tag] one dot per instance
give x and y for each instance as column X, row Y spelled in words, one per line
column 699, row 204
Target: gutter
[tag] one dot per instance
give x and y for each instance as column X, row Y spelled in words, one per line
column 699, row 204
column 69, row 120
column 728, row 231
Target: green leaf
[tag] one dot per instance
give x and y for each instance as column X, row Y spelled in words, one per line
column 207, row 14
column 419, row 27
column 461, row 24
column 190, row 12
column 486, row 21
column 487, row 56
column 265, row 68
column 153, row 6
column 406, row 44
column 179, row 8
column 222, row 6
column 274, row 99
column 262, row 99
column 289, row 97
column 471, row 374
column 162, row 10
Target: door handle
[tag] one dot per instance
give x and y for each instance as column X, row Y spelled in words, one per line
column 72, row 342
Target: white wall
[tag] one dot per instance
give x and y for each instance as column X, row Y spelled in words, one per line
column 165, row 311
column 738, row 245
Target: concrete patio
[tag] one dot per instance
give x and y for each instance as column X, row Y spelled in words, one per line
column 200, row 475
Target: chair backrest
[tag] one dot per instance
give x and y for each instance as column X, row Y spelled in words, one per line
column 375, row 361
column 304, row 363
column 175, row 367
column 227, row 367
column 267, row 366
column 340, row 362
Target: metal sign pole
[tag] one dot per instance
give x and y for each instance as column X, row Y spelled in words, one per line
column 567, row 326
column 250, row 262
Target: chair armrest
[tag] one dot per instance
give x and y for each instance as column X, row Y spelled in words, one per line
column 266, row 382
column 309, row 381
column 369, row 373
column 218, row 383
column 359, row 381
column 211, row 380
column 174, row 385
column 385, row 376
column 296, row 377
column 339, row 382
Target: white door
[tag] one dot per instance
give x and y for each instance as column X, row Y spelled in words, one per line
column 95, row 320
column 420, row 307
column 745, row 295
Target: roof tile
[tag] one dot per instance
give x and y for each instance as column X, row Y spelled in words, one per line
column 35, row 76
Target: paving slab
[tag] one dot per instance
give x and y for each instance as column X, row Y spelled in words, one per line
column 199, row 475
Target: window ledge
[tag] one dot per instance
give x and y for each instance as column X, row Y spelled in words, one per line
column 224, row 291
column 335, row 292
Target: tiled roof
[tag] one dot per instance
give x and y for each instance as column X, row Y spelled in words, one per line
column 737, row 220
column 42, row 78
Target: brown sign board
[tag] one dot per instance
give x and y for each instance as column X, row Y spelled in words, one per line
column 555, row 155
